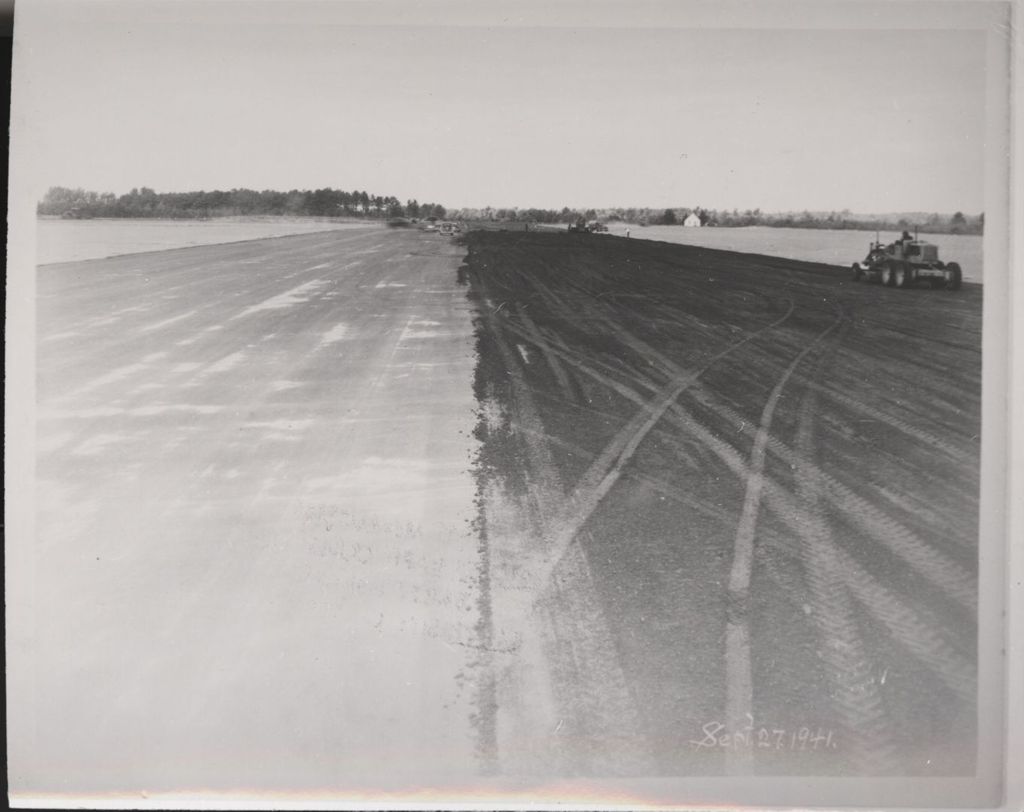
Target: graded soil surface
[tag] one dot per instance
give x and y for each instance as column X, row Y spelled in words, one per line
column 730, row 505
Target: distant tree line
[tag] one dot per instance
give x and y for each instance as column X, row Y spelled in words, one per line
column 957, row 223
column 144, row 202
column 927, row 223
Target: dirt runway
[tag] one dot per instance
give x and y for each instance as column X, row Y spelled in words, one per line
column 730, row 505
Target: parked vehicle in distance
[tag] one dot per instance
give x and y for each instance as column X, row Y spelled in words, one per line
column 583, row 227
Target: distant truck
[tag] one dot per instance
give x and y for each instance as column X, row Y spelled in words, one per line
column 906, row 262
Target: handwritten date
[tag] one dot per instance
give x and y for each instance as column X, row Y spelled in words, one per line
column 716, row 735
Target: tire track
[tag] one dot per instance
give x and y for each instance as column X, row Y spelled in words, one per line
column 917, row 635
column 570, row 356
column 921, row 638
column 739, row 678
column 552, row 360
column 905, row 625
column 925, row 437
column 579, row 644
column 604, row 472
column 855, row 693
column 924, row 559
column 589, row 679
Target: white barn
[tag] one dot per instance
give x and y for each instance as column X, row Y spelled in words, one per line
column 692, row 220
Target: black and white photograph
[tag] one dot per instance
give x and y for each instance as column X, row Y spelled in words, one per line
column 420, row 405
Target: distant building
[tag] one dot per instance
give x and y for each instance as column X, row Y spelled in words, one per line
column 692, row 220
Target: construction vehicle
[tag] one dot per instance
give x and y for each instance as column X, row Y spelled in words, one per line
column 581, row 226
column 906, row 262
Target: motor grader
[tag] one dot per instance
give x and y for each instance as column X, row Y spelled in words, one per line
column 906, row 262
column 581, row 226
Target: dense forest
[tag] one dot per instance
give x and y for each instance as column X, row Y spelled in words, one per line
column 144, row 202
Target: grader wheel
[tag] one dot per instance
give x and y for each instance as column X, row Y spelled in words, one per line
column 901, row 278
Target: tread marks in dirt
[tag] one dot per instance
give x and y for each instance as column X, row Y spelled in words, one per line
column 854, row 690
column 860, row 711
column 604, row 471
column 930, row 563
column 913, row 629
column 576, row 322
column 589, row 703
column 739, row 693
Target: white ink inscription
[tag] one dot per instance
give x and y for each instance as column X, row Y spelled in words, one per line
column 716, row 735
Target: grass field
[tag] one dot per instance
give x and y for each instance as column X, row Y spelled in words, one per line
column 833, row 247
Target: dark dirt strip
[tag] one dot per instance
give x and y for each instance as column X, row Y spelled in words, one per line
column 863, row 586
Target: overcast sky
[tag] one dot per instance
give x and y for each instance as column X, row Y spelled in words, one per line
column 508, row 113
